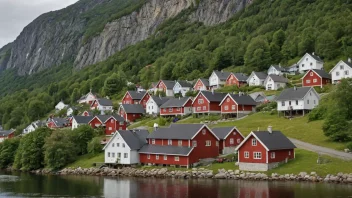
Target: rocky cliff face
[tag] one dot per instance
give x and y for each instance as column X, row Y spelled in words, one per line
column 56, row 37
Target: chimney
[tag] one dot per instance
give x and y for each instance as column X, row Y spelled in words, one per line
column 349, row 60
column 222, row 71
column 156, row 126
column 270, row 129
column 313, row 53
column 239, row 93
column 179, row 98
column 295, row 88
column 212, row 91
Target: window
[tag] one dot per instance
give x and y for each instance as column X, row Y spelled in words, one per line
column 177, row 159
column 234, row 133
column 226, row 107
column 119, row 155
column 306, row 59
column 199, row 108
column 157, row 157
column 200, row 101
column 108, row 154
column 311, row 74
column 311, row 64
column 254, row 142
column 246, row 154
column 112, row 121
column 194, row 143
column 272, row 155
column 302, row 65
column 169, row 142
column 341, row 67
column 164, row 110
column 204, row 131
column 178, row 109
column 314, row 101
column 289, row 152
column 233, row 107
column 113, row 144
column 170, row 109
column 296, row 102
column 153, row 141
column 204, row 108
column 148, row 156
column 337, row 73
column 232, row 141
column 283, row 103
column 208, row 143
column 217, row 143
column 123, row 145
column 257, row 155
column 165, row 157
column 307, row 101
column 228, row 100
column 315, row 80
column 307, row 81
column 112, row 154
column 110, row 128
column 289, row 103
column 346, row 72
column 238, row 140
column 134, row 115
column 117, row 144
column 179, row 142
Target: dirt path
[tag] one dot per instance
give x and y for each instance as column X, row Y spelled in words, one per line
column 321, row 150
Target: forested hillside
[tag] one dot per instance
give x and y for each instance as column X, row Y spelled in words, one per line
column 266, row 32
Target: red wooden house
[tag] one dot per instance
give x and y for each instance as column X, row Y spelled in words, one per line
column 208, row 102
column 7, row 134
column 131, row 112
column 57, row 123
column 176, row 106
column 264, row 150
column 230, row 138
column 87, row 113
column 180, row 145
column 144, row 100
column 237, row 79
column 133, row 97
column 237, row 104
column 202, row 84
column 110, row 123
column 316, row 78
column 165, row 86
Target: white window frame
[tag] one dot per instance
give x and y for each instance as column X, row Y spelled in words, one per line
column 194, row 143
column 208, row 143
column 315, row 80
column 311, row 74
column 125, row 155
column 238, row 140
column 283, row 103
column 177, row 158
column 204, row 108
column 169, row 142
column 157, row 157
column 232, row 141
column 347, row 72
column 272, row 155
column 233, row 107
column 337, row 73
column 226, row 108
column 200, row 101
column 199, row 108
column 307, row 81
column 246, row 154
column 148, row 156
column 257, row 155
column 254, row 142
column 153, row 141
column 123, row 145
column 165, row 157
column 179, row 142
column 170, row 109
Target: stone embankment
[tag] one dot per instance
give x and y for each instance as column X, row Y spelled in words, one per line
column 197, row 173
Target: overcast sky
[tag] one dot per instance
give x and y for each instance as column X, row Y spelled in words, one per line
column 16, row 14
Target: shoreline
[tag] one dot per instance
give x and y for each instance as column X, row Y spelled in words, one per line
column 200, row 173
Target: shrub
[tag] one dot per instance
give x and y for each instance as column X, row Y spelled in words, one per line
column 94, row 146
column 349, row 146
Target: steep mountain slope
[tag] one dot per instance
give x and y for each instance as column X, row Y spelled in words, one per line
column 78, row 33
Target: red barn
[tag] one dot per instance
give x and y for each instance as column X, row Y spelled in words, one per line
column 208, row 102
column 57, row 123
column 202, row 84
column 180, row 145
column 176, row 106
column 131, row 112
column 237, row 104
column 230, row 138
column 237, row 79
column 133, row 97
column 264, row 150
column 315, row 78
column 7, row 134
column 110, row 123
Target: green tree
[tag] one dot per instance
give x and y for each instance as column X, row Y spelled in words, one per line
column 327, row 46
column 113, row 84
column 7, row 151
column 258, row 54
column 81, row 137
column 307, row 41
column 94, row 146
column 279, row 38
column 36, row 109
column 75, row 95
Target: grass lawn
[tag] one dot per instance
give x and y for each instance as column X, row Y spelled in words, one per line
column 86, row 161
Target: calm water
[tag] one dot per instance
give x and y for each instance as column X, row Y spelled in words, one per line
column 27, row 185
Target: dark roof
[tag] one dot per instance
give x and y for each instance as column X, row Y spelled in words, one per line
column 213, row 97
column 176, row 131
column 136, row 95
column 118, row 118
column 104, row 102
column 241, row 76
column 60, row 122
column 169, row 83
column 133, row 139
column 348, row 63
column 275, row 140
column 175, row 102
column 316, row 57
column 83, row 119
column 205, row 81
column 222, row 132
column 293, row 93
column 160, row 100
column 168, row 150
column 85, row 96
column 279, row 68
column 133, row 108
column 222, row 75
column 261, row 75
column 184, row 83
column 322, row 73
column 103, row 118
column 277, row 78
column 6, row 132
column 243, row 99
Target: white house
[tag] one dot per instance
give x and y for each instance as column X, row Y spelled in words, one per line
column 274, row 82
column 102, row 104
column 154, row 103
column 182, row 87
column 61, row 105
column 218, row 79
column 33, row 126
column 343, row 69
column 297, row 98
column 277, row 70
column 70, row 110
column 80, row 120
column 310, row 61
column 123, row 147
column 88, row 98
column 256, row 79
